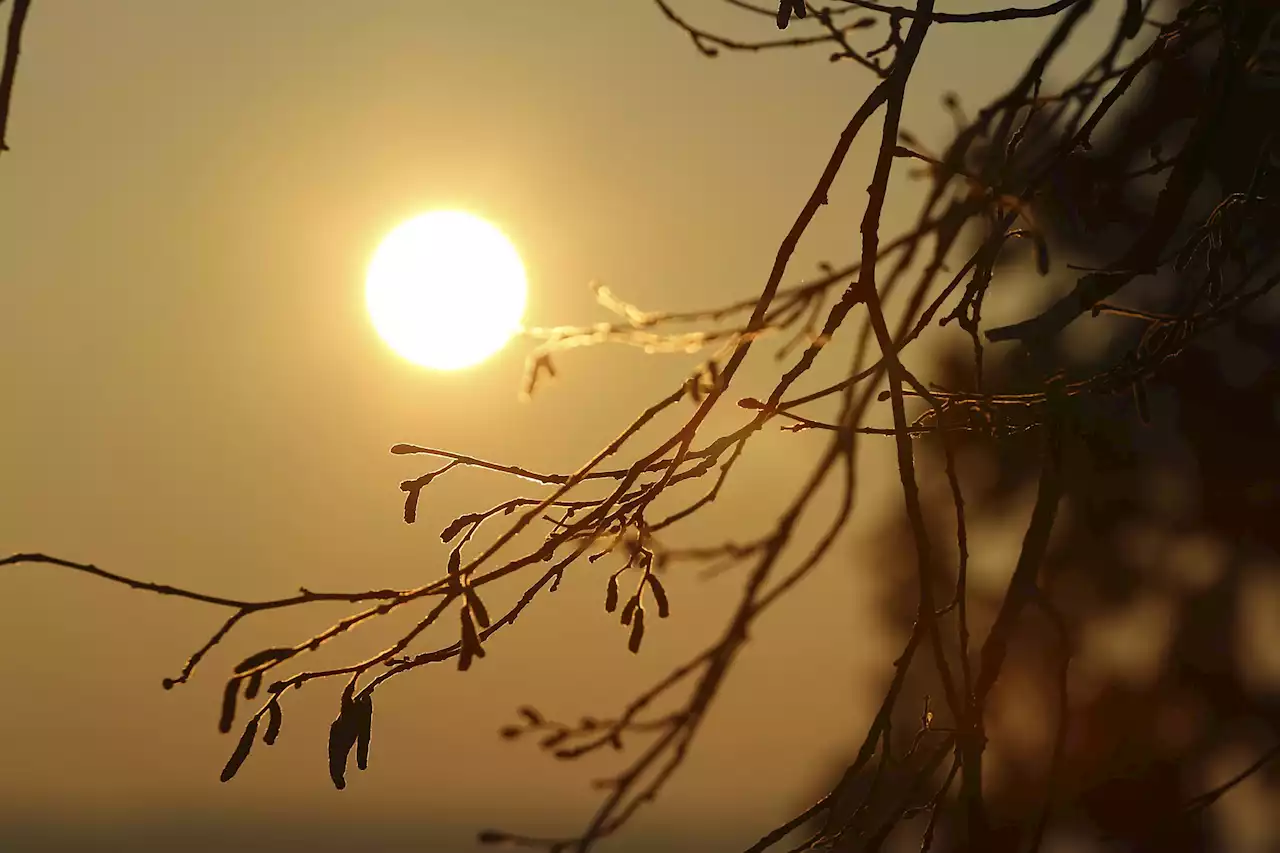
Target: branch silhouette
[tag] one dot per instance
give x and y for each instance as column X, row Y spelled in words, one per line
column 12, row 47
column 1048, row 165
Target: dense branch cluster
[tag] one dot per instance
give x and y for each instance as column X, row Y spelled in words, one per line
column 992, row 188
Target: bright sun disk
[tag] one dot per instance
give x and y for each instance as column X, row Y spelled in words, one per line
column 446, row 289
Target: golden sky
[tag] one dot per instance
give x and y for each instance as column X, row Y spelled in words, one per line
column 194, row 395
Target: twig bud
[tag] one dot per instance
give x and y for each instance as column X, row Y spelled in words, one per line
column 659, row 596
column 342, row 737
column 637, row 631
column 412, row 492
column 229, row 695
column 470, row 643
column 363, row 713
column 275, row 717
column 630, row 608
column 611, row 595
column 477, row 606
column 241, row 751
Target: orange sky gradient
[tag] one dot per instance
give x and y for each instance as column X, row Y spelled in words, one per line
column 194, row 394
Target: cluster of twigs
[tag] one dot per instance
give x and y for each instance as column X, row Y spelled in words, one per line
column 985, row 193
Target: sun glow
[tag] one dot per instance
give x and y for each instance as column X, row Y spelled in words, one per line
column 446, row 290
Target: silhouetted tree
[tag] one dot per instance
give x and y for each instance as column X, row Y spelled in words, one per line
column 1144, row 189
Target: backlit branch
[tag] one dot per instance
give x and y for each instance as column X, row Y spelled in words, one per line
column 988, row 196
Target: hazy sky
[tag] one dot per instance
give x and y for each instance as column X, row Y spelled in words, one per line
column 193, row 393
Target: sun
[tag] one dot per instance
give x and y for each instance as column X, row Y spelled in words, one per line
column 446, row 289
